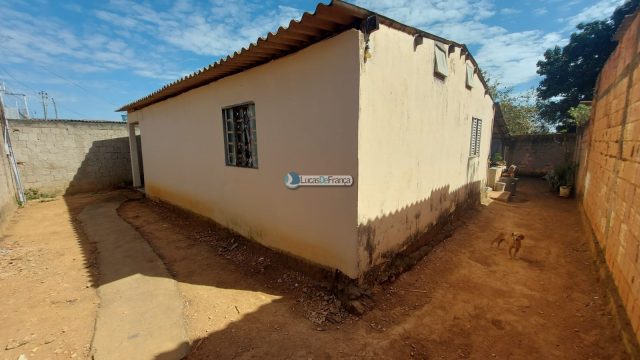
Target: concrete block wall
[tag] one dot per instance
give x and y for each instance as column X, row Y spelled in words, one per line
column 8, row 200
column 71, row 156
column 536, row 155
column 609, row 174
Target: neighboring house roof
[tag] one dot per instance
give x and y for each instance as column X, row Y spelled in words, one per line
column 324, row 22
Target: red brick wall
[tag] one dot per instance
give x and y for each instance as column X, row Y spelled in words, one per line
column 536, row 155
column 609, row 172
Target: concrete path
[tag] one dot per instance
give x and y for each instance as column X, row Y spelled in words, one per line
column 140, row 313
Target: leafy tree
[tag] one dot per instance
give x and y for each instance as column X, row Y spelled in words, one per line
column 580, row 114
column 520, row 111
column 570, row 73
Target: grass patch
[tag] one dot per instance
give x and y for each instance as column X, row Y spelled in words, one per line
column 35, row 194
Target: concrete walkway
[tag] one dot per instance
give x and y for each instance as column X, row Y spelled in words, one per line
column 140, row 313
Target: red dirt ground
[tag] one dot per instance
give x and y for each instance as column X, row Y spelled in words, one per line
column 464, row 300
column 47, row 300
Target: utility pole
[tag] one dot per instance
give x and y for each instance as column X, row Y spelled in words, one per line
column 45, row 98
column 2, row 91
column 26, row 105
column 55, row 107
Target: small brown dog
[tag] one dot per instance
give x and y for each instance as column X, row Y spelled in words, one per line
column 515, row 242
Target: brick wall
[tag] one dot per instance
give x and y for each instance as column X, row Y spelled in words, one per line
column 609, row 175
column 8, row 202
column 71, row 156
column 536, row 155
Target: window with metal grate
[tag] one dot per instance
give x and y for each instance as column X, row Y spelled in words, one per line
column 240, row 135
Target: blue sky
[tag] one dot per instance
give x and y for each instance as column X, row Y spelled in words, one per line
column 94, row 56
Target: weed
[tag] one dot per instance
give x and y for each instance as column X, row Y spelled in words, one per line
column 35, row 194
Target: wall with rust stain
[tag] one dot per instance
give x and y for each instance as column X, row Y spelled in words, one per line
column 608, row 183
column 306, row 114
column 413, row 142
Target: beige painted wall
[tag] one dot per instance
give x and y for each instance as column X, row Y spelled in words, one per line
column 307, row 110
column 401, row 132
column 66, row 156
column 413, row 142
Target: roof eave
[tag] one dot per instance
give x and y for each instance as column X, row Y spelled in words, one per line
column 326, row 21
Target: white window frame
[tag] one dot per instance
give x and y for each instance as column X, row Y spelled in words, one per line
column 470, row 74
column 476, row 137
column 441, row 60
column 232, row 125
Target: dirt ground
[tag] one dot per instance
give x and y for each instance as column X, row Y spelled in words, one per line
column 463, row 300
column 47, row 300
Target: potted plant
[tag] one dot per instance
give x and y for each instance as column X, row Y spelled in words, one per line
column 561, row 179
column 565, row 191
column 497, row 159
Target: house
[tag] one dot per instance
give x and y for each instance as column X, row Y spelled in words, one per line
column 402, row 117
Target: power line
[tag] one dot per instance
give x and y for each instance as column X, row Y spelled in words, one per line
column 35, row 93
column 78, row 86
column 16, row 80
column 88, row 92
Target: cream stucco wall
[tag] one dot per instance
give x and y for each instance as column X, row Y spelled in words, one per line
column 402, row 133
column 306, row 113
column 413, row 142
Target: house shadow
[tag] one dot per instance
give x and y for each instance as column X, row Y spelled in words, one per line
column 271, row 332
column 274, row 323
column 105, row 166
column 197, row 251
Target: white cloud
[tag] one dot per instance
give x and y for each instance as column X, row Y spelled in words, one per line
column 430, row 11
column 155, row 41
column 599, row 11
column 509, row 11
column 509, row 56
column 50, row 43
column 218, row 29
column 540, row 11
column 512, row 57
column 128, row 36
column 467, row 32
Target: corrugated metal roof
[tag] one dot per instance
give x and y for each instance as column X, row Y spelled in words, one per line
column 324, row 22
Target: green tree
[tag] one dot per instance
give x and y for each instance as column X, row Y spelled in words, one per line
column 520, row 111
column 570, row 73
column 580, row 114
